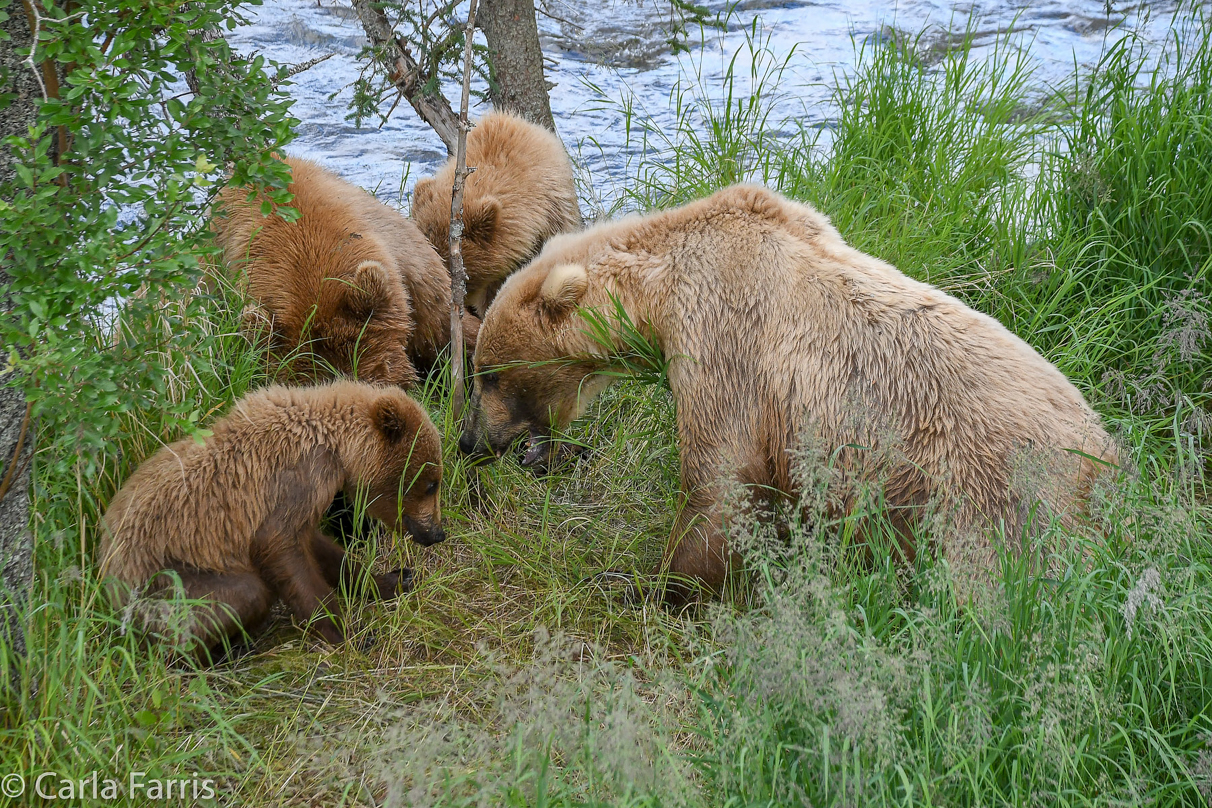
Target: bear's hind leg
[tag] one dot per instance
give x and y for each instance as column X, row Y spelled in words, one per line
column 238, row 603
column 341, row 569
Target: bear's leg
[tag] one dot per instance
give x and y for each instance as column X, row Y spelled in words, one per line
column 696, row 555
column 340, row 519
column 239, row 601
column 339, row 568
column 332, row 559
column 296, row 575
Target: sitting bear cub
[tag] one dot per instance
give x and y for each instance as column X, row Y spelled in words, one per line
column 236, row 517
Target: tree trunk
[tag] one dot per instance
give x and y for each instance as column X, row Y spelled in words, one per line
column 458, row 276
column 516, row 60
column 16, row 431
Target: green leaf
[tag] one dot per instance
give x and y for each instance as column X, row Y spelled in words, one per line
column 204, row 166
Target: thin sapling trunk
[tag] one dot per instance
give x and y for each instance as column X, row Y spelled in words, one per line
column 458, row 276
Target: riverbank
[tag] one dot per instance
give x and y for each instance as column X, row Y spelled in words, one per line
column 508, row 679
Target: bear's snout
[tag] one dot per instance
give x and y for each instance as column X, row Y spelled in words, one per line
column 467, row 443
column 424, row 534
column 472, row 445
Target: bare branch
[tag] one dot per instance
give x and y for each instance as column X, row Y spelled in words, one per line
column 394, row 104
column 15, row 463
column 294, row 70
column 47, row 75
column 407, row 75
column 458, row 275
column 543, row 10
column 35, row 24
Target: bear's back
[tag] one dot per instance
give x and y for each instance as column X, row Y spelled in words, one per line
column 304, row 272
column 204, row 501
column 398, row 244
column 288, row 261
column 175, row 506
column 972, row 402
column 522, row 163
column 775, row 307
column 525, row 168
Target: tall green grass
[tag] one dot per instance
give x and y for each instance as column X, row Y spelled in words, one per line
column 1127, row 197
column 1083, row 679
column 925, row 168
column 512, row 676
column 90, row 696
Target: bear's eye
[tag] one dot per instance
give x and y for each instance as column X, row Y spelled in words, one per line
column 489, row 379
column 431, row 488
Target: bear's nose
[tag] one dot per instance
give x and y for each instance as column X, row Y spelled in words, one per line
column 429, row 537
column 467, row 443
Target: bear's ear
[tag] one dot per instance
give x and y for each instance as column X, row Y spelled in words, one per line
column 367, row 289
column 480, row 219
column 255, row 318
column 422, row 193
column 390, row 419
column 563, row 288
column 256, row 321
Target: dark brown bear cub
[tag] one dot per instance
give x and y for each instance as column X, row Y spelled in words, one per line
column 236, row 517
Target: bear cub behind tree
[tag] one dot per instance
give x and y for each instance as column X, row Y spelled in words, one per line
column 236, row 517
column 350, row 285
column 521, row 193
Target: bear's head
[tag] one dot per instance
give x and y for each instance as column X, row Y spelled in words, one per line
column 536, row 368
column 483, row 254
column 400, row 470
column 359, row 326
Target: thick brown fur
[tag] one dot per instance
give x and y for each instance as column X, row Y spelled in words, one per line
column 351, row 281
column 521, row 194
column 781, row 337
column 236, row 517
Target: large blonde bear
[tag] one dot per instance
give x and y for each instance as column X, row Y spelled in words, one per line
column 780, row 334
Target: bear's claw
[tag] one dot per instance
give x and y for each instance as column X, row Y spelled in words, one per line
column 543, row 454
column 395, row 583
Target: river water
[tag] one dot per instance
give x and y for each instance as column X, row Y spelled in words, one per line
column 609, row 59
